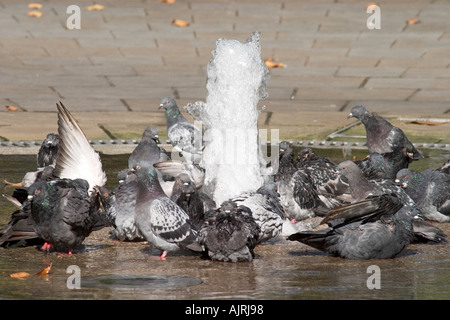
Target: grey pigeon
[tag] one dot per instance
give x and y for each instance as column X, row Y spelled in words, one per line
column 63, row 213
column 183, row 135
column 229, row 233
column 191, row 200
column 48, row 151
column 120, row 206
column 266, row 209
column 147, row 152
column 160, row 220
column 383, row 235
column 430, row 189
column 382, row 136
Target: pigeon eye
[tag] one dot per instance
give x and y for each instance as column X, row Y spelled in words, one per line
column 37, row 191
column 105, row 194
column 138, row 167
column 404, row 177
column 355, row 111
column 408, row 213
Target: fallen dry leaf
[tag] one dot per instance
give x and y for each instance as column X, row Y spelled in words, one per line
column 428, row 123
column 413, row 21
column 180, row 23
column 167, row 1
column 95, row 7
column 20, row 275
column 34, row 13
column 35, row 6
column 371, row 6
column 272, row 63
column 45, row 270
column 11, row 108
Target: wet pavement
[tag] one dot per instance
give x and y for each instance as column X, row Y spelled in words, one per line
column 283, row 270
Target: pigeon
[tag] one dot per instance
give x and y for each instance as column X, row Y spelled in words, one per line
column 147, row 151
column 382, row 234
column 382, row 136
column 266, row 210
column 191, row 200
column 383, row 166
column 48, row 151
column 46, row 158
column 63, row 213
column 174, row 168
column 183, row 135
column 120, row 207
column 160, row 220
column 229, row 233
column 362, row 188
column 430, row 189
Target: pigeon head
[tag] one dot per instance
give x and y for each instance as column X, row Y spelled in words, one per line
column 228, row 206
column 100, row 198
column 285, row 145
column 407, row 178
column 408, row 214
column 52, row 139
column 269, row 189
column 168, row 103
column 151, row 133
column 185, row 184
column 357, row 112
column 145, row 173
column 36, row 189
column 305, row 154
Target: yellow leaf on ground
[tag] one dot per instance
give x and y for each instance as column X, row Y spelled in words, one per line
column 20, row 275
column 180, row 23
column 34, row 13
column 167, row 1
column 11, row 108
column 413, row 21
column 45, row 270
column 272, row 63
column 35, row 6
column 95, row 7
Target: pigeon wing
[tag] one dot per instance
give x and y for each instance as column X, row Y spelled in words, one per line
column 76, row 157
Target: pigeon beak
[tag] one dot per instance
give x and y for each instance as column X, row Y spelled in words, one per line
column 160, row 106
column 30, row 197
column 397, row 181
column 350, row 116
column 157, row 139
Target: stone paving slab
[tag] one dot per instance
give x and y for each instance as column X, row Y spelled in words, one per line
column 113, row 72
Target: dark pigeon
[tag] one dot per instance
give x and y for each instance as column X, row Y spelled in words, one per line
column 230, row 233
column 382, row 137
column 383, row 166
column 377, row 235
column 430, row 189
column 183, row 135
column 191, row 200
column 160, row 220
column 63, row 213
column 266, row 210
column 147, row 152
column 48, row 151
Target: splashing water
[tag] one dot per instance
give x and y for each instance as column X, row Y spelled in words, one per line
column 237, row 78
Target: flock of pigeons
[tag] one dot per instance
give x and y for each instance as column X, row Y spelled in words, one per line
column 371, row 208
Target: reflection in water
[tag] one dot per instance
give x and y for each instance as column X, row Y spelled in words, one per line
column 286, row 270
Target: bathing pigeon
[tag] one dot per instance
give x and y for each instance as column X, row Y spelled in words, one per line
column 174, row 168
column 381, row 235
column 120, row 206
column 266, row 209
column 430, row 189
column 383, row 166
column 63, row 213
column 48, row 150
column 229, row 233
column 191, row 200
column 183, row 135
column 160, row 220
column 147, row 152
column 382, row 136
